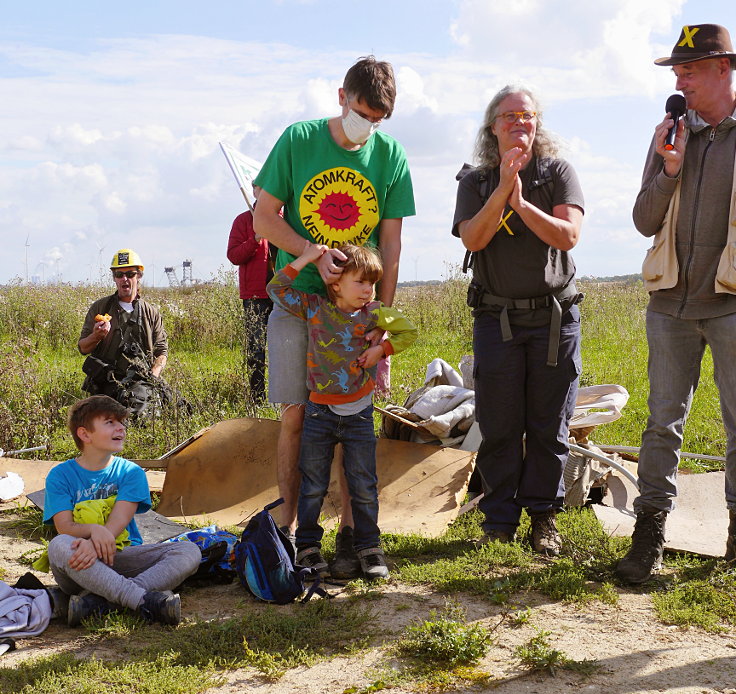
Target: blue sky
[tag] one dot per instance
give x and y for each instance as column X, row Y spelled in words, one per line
column 112, row 115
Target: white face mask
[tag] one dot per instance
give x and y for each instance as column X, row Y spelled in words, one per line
column 358, row 129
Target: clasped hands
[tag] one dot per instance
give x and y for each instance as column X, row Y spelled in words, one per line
column 99, row 545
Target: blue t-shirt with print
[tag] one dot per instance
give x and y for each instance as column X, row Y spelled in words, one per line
column 69, row 483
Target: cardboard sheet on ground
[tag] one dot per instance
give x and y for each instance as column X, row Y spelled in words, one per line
column 229, row 473
column 698, row 524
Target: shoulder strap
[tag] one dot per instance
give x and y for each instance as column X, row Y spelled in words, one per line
column 485, row 193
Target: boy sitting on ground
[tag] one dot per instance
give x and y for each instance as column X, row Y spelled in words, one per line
column 84, row 557
column 340, row 407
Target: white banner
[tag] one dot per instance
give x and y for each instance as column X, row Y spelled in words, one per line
column 244, row 169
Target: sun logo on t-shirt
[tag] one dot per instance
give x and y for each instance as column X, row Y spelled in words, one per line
column 339, row 206
column 339, row 210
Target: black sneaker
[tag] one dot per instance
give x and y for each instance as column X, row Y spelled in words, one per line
column 731, row 541
column 545, row 536
column 647, row 547
column 346, row 563
column 84, row 606
column 373, row 563
column 163, row 607
column 59, row 602
column 311, row 558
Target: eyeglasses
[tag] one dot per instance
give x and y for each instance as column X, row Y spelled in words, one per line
column 513, row 116
column 130, row 274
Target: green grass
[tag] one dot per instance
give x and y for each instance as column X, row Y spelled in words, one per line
column 64, row 674
column 267, row 638
column 701, row 593
column 500, row 573
column 40, row 368
column 537, row 654
column 445, row 639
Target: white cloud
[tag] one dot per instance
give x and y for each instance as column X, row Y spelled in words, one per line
column 115, row 143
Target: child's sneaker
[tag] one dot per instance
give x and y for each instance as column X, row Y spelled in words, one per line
column 311, row 558
column 59, row 602
column 163, row 607
column 346, row 563
column 84, row 606
column 373, row 563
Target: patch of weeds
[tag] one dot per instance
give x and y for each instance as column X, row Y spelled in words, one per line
column 473, row 570
column 64, row 674
column 707, row 602
column 566, row 580
column 272, row 640
column 501, row 590
column 445, row 639
column 116, row 624
column 360, row 588
column 537, row 654
column 520, row 617
column 587, row 544
column 30, row 555
column 29, row 521
column 421, row 677
column 3, row 573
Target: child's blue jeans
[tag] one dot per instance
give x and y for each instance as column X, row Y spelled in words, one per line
column 322, row 430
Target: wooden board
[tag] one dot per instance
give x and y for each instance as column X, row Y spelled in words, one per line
column 698, row 524
column 229, row 473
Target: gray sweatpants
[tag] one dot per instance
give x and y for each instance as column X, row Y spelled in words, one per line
column 136, row 570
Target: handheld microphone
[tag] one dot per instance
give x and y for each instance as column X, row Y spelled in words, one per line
column 676, row 107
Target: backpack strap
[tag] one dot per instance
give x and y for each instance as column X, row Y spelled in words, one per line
column 485, row 193
column 315, row 588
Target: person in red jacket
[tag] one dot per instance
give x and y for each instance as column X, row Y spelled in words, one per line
column 251, row 254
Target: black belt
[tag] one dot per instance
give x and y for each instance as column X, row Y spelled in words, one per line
column 553, row 300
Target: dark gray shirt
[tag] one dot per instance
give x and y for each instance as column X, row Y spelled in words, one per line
column 516, row 263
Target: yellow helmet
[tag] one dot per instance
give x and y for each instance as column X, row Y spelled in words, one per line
column 126, row 257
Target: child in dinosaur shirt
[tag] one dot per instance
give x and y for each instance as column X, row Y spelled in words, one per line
column 340, row 406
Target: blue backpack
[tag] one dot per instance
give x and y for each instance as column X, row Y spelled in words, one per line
column 218, row 554
column 264, row 561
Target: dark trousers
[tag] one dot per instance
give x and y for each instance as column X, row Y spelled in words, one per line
column 516, row 393
column 256, row 313
column 323, row 429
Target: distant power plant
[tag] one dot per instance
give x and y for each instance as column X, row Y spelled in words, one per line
column 186, row 275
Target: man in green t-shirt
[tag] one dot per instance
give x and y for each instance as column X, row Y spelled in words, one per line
column 340, row 181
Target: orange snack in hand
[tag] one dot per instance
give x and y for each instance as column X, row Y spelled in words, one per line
column 100, row 317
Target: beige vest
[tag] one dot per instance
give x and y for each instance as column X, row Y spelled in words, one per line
column 660, row 268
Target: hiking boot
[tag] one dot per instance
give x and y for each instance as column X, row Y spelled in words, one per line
column 84, row 606
column 647, row 547
column 373, row 563
column 346, row 563
column 311, row 558
column 545, row 536
column 495, row 535
column 731, row 541
column 163, row 607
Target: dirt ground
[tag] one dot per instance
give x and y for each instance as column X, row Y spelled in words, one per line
column 635, row 652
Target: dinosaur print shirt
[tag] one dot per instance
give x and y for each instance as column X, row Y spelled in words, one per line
column 337, row 339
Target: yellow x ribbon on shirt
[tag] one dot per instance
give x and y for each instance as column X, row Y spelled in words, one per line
column 689, row 33
column 502, row 223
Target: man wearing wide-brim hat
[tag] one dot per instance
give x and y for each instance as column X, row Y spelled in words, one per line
column 687, row 202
